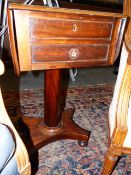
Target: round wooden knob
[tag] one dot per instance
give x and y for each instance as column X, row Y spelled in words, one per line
column 73, row 53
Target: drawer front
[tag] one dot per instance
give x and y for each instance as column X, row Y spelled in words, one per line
column 65, row 53
column 67, row 29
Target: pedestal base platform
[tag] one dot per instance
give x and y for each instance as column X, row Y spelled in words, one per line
column 41, row 135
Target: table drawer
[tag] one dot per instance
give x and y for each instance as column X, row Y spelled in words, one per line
column 60, row 53
column 60, row 28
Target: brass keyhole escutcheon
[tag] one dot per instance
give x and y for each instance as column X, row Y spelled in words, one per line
column 74, row 53
column 75, row 28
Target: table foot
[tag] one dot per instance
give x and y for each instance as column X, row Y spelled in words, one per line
column 41, row 135
column 71, row 130
column 83, row 143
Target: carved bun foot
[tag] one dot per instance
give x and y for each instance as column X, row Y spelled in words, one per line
column 83, row 143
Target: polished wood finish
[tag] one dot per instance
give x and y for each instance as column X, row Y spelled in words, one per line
column 52, row 98
column 67, row 129
column 76, row 38
column 50, row 39
column 7, row 59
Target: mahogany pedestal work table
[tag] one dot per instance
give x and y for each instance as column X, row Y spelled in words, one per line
column 52, row 39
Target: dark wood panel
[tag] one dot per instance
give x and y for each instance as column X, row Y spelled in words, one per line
column 64, row 53
column 61, row 28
